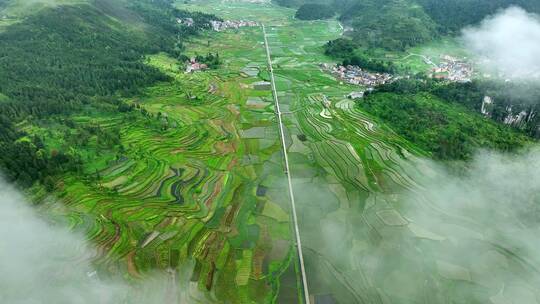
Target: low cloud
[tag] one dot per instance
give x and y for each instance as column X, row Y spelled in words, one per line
column 43, row 262
column 472, row 237
column 480, row 230
column 507, row 44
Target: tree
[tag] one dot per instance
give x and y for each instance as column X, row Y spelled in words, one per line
column 314, row 11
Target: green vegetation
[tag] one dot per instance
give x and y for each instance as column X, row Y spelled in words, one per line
column 347, row 50
column 212, row 60
column 61, row 61
column 333, row 3
column 453, row 15
column 446, row 130
column 314, row 11
column 161, row 168
column 388, row 24
column 505, row 102
column 471, row 95
column 290, row 3
column 340, row 48
column 394, row 25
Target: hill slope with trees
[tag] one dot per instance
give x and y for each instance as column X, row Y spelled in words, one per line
column 315, row 11
column 62, row 60
column 427, row 114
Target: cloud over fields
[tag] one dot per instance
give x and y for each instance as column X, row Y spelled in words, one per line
column 473, row 236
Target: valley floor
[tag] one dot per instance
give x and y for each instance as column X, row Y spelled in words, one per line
column 202, row 179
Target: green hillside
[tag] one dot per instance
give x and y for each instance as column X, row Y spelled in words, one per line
column 61, row 61
column 394, row 25
column 453, row 15
column 446, row 130
column 314, row 11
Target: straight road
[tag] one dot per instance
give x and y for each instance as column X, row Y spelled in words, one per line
column 287, row 170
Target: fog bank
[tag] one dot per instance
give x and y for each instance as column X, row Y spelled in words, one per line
column 481, row 230
column 467, row 238
column 507, row 44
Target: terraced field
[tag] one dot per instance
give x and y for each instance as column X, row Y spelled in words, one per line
column 201, row 180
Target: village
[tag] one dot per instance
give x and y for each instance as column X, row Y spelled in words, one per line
column 219, row 26
column 451, row 69
column 357, row 76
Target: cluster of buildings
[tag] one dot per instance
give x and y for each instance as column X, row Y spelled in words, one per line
column 453, row 69
column 357, row 76
column 219, row 26
column 193, row 66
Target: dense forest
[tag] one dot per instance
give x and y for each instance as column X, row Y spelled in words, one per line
column 447, row 130
column 348, row 50
column 63, row 59
column 394, row 25
column 519, row 111
column 453, row 15
column 451, row 120
column 315, row 11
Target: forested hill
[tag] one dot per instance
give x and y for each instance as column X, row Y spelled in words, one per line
column 453, row 15
column 398, row 24
column 69, row 57
column 314, row 11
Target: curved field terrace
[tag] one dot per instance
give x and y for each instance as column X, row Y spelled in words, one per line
column 201, row 181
